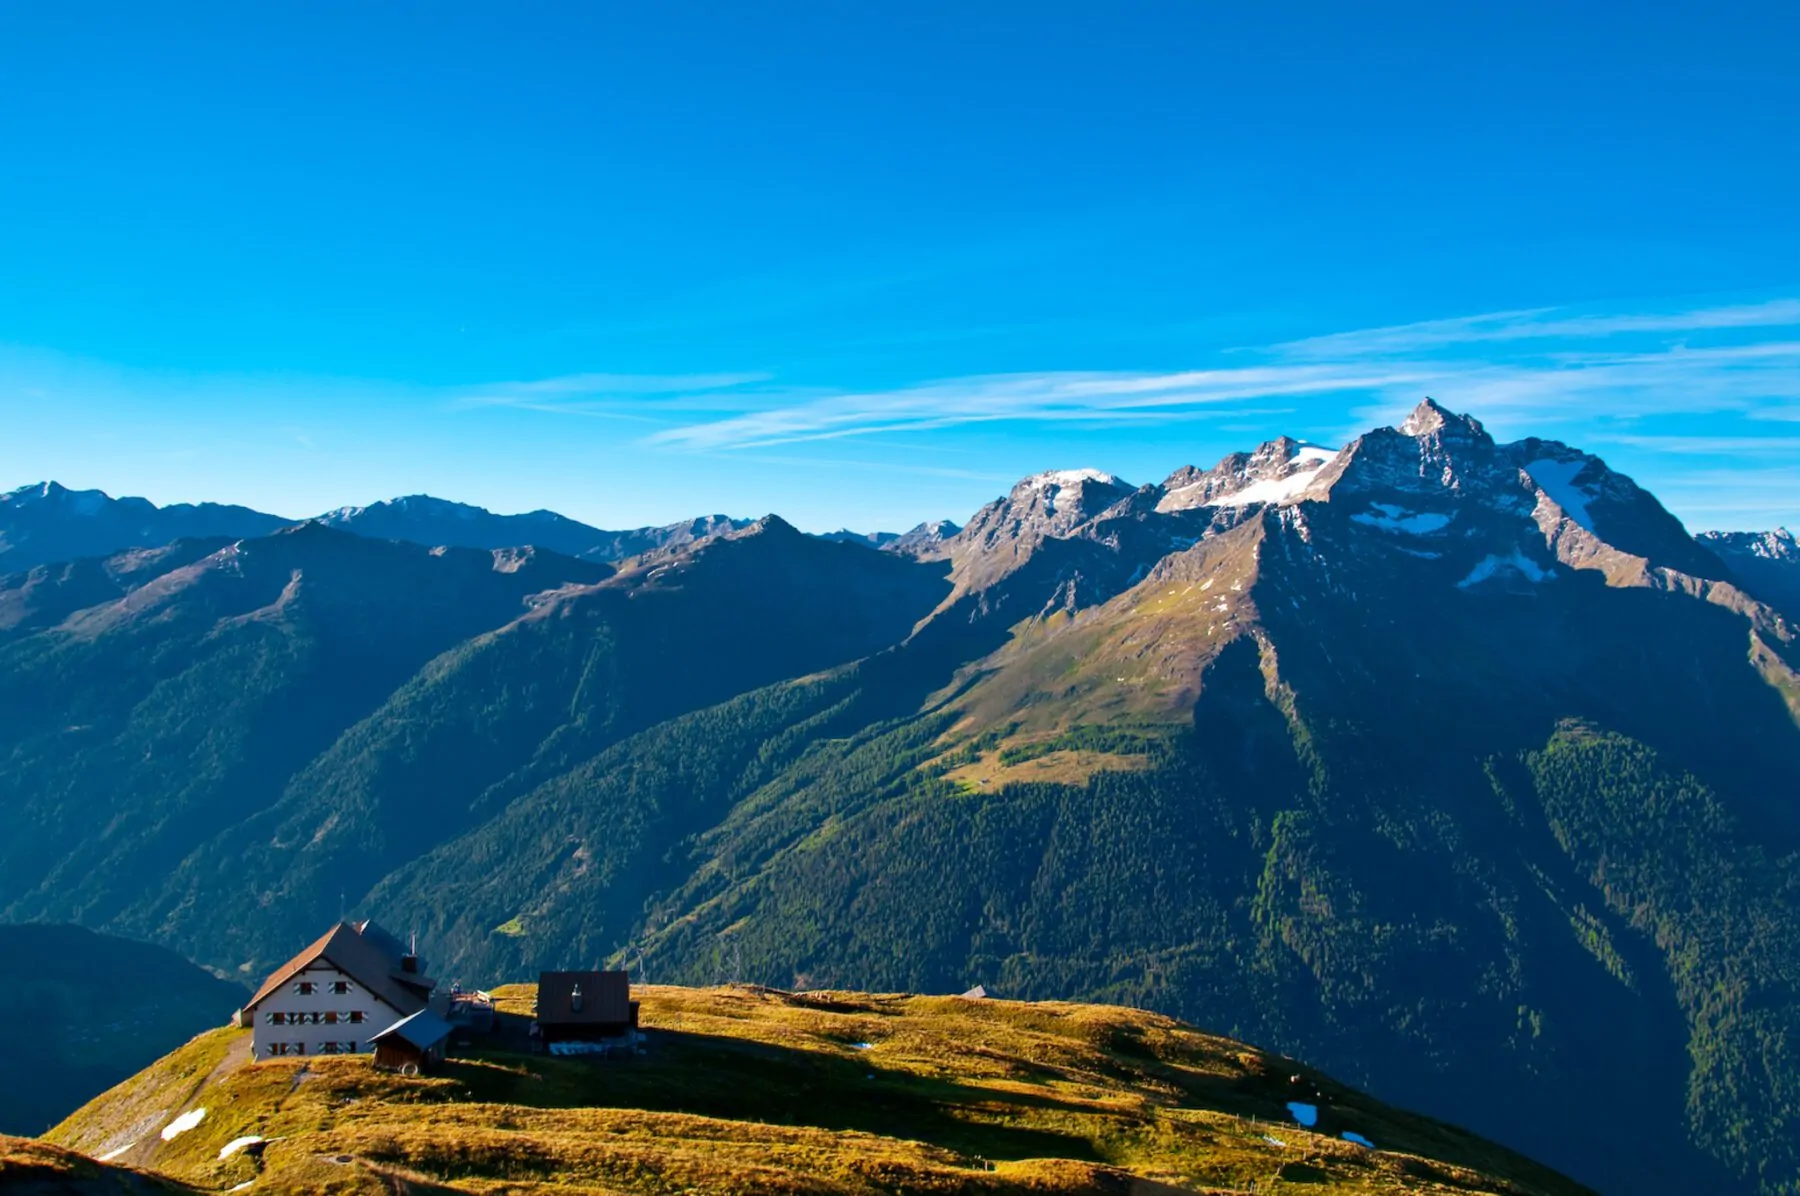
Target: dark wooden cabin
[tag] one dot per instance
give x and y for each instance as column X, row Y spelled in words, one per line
column 585, row 1007
column 412, row 1044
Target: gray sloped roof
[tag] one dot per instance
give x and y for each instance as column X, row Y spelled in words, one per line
column 423, row 1030
column 378, row 934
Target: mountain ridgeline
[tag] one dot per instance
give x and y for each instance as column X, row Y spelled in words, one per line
column 1457, row 768
column 49, row 524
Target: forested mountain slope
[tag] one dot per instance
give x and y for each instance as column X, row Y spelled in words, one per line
column 1457, row 767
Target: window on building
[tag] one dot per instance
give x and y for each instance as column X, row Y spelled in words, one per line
column 306, row 988
column 356, row 1017
column 271, row 1019
column 331, row 1018
column 340, row 988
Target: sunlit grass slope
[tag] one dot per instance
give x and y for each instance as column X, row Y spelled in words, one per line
column 752, row 1090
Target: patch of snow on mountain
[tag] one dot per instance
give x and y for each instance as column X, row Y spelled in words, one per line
column 1353, row 1136
column 1277, row 490
column 1304, row 1113
column 1778, row 545
column 1390, row 517
column 1071, row 477
column 1557, row 479
column 237, row 1144
column 183, row 1124
column 110, row 1155
column 1516, row 561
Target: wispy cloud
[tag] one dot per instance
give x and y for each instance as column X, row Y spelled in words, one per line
column 1621, row 366
column 1539, row 324
column 1738, row 498
column 602, row 395
column 1044, row 398
column 1773, row 447
column 863, row 464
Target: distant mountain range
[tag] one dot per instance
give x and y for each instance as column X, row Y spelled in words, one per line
column 46, row 523
column 1458, row 768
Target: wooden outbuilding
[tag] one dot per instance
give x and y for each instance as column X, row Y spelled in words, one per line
column 586, row 1007
column 412, row 1044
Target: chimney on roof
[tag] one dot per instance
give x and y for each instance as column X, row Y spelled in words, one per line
column 409, row 963
column 575, row 999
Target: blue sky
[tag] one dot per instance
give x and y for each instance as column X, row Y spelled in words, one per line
column 866, row 264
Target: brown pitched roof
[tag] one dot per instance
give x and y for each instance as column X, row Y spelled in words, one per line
column 605, row 997
column 363, row 960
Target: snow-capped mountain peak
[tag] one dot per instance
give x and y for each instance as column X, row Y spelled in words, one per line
column 1778, row 545
column 1070, row 477
column 1062, row 498
column 86, row 503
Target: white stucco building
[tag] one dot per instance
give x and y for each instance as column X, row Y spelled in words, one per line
column 332, row 998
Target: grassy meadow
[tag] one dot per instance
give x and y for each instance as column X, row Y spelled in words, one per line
column 744, row 1089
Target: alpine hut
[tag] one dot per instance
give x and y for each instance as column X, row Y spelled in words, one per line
column 353, row 982
column 584, row 1012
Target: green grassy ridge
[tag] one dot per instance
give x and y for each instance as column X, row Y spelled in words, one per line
column 830, row 1092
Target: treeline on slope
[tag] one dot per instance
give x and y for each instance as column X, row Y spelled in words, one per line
column 492, row 720
column 1399, row 911
column 1415, row 933
column 299, row 716
column 1667, row 857
column 567, row 870
column 140, row 727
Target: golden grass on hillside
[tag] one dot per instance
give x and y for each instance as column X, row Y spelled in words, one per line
column 1063, row 767
column 752, row 1090
column 32, row 1168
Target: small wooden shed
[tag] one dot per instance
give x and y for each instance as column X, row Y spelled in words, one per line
column 412, row 1044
